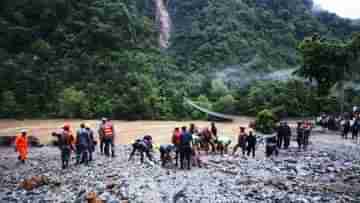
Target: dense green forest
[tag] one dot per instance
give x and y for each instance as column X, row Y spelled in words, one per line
column 93, row 58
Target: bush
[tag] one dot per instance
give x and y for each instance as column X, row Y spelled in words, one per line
column 265, row 121
column 74, row 103
column 225, row 104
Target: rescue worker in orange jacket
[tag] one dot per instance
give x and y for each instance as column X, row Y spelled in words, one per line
column 21, row 145
column 108, row 132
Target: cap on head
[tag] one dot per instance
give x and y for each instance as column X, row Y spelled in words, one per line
column 87, row 125
column 23, row 131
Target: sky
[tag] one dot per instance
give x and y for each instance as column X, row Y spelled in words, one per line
column 344, row 8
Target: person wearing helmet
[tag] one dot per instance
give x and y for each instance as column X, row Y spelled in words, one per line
column 108, row 132
column 21, row 145
column 92, row 141
column 65, row 143
column 82, row 145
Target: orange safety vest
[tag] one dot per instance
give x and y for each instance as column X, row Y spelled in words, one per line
column 108, row 130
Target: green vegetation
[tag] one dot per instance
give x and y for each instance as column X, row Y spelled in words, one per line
column 265, row 121
column 94, row 58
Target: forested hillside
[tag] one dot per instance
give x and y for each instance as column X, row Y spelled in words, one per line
column 214, row 33
column 92, row 58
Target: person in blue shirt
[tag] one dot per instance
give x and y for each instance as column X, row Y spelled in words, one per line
column 82, row 145
column 185, row 148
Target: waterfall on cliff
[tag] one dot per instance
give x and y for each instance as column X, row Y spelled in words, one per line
column 164, row 23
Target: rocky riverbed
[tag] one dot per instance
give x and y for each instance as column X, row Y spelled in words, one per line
column 328, row 172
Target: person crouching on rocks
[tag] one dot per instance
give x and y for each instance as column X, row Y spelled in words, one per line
column 223, row 144
column 143, row 146
column 251, row 143
column 241, row 141
column 21, row 145
column 166, row 151
column 65, row 143
column 271, row 146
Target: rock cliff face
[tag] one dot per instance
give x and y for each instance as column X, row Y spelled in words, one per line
column 327, row 172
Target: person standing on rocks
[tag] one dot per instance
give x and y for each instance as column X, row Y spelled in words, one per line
column 251, row 143
column 92, row 143
column 300, row 135
column 65, row 144
column 281, row 133
column 345, row 128
column 21, row 145
column 214, row 131
column 82, row 145
column 355, row 128
column 102, row 135
column 176, row 140
column 287, row 135
column 185, row 148
column 306, row 132
column 241, row 141
column 109, row 138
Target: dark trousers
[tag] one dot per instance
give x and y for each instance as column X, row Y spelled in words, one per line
column 65, row 157
column 354, row 134
column 177, row 155
column 300, row 141
column 280, row 140
column 185, row 154
column 109, row 143
column 82, row 154
column 270, row 150
column 286, row 142
column 345, row 133
column 306, row 141
column 251, row 149
column 91, row 150
column 102, row 145
column 142, row 150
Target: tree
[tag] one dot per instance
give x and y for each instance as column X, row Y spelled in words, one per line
column 73, row 103
column 328, row 63
column 265, row 121
column 9, row 108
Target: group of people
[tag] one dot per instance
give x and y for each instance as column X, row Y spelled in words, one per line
column 349, row 123
column 186, row 143
column 83, row 144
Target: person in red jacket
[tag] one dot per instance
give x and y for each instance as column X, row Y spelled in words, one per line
column 21, row 145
